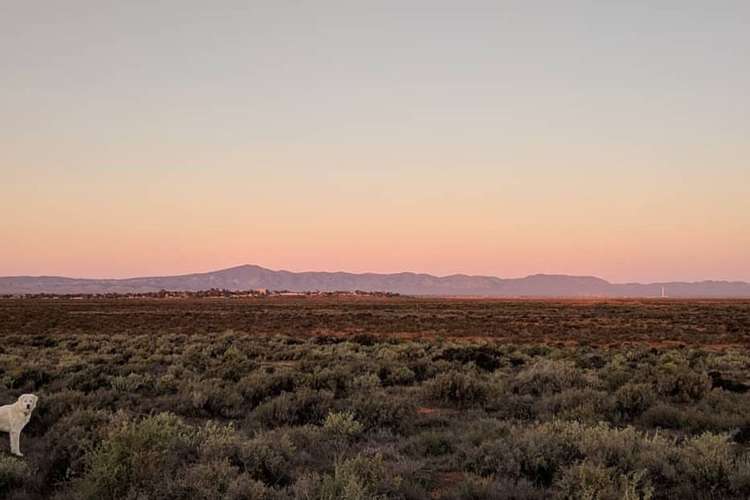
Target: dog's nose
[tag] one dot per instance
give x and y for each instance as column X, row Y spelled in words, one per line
column 28, row 406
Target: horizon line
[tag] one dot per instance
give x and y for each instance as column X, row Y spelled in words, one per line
column 439, row 276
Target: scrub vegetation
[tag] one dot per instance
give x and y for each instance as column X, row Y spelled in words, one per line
column 331, row 398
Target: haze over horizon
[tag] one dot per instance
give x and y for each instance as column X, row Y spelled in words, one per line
column 505, row 139
column 344, row 271
column 253, row 277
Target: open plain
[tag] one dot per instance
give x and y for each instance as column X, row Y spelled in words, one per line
column 373, row 397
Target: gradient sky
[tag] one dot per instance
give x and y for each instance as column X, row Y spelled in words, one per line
column 500, row 137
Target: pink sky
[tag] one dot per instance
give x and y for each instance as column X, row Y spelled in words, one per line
column 498, row 138
column 477, row 218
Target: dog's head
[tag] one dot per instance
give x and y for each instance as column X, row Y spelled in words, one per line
column 27, row 402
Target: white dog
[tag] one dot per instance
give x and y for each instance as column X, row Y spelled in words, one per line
column 13, row 418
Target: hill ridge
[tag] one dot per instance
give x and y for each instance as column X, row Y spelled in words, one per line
column 252, row 276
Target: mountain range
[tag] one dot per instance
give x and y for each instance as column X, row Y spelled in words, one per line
column 250, row 277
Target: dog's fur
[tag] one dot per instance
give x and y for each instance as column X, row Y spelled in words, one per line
column 13, row 418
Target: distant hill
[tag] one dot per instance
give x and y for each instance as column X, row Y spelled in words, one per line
column 252, row 277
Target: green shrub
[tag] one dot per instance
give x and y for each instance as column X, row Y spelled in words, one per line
column 547, row 376
column 379, row 411
column 540, row 452
column 306, row 406
column 267, row 458
column 457, row 389
column 342, row 425
column 708, row 462
column 631, row 400
column 205, row 481
column 234, row 365
column 130, row 384
column 259, row 386
column 587, row 481
column 585, row 404
column 335, row 380
column 298, row 417
column 543, row 450
column 137, row 457
column 359, row 478
column 396, row 375
column 683, row 384
column 367, row 382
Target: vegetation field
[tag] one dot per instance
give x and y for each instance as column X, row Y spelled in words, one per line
column 369, row 397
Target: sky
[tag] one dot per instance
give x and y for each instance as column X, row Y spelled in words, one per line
column 502, row 138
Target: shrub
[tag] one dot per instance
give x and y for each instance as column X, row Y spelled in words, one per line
column 510, row 406
column 267, row 458
column 683, row 384
column 234, row 365
column 587, row 481
column 305, row 406
column 631, row 400
column 52, row 408
column 483, row 357
column 707, row 461
column 431, row 444
column 740, row 477
column 477, row 488
column 665, row 416
column 493, row 457
column 574, row 404
column 342, row 425
column 28, row 379
column 457, row 388
column 336, row 380
column 359, row 478
column 130, row 384
column 224, row 401
column 367, row 382
column 539, row 453
column 71, row 440
column 302, row 418
column 307, row 487
column 205, row 481
column 549, row 376
column 472, row 488
column 396, row 375
column 13, row 474
column 378, row 410
column 136, row 458
column 243, row 487
column 258, row 386
column 544, row 449
column 619, row 448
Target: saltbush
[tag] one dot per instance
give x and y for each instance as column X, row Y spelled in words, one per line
column 458, row 389
column 13, row 473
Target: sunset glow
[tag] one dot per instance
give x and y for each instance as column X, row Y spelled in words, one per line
column 486, row 139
